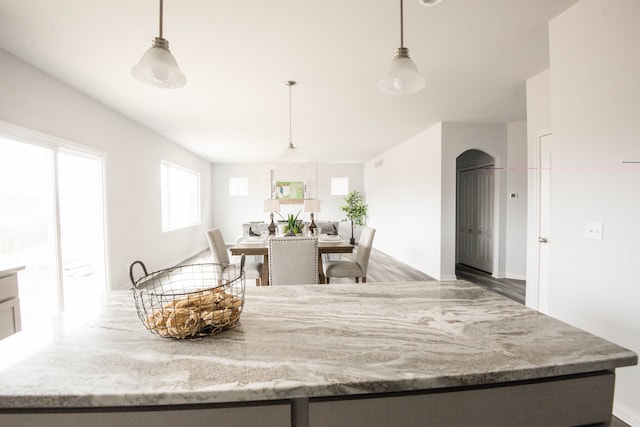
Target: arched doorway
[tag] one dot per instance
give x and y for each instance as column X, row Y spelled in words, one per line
column 475, row 210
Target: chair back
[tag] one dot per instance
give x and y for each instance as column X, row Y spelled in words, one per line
column 217, row 246
column 365, row 244
column 293, row 260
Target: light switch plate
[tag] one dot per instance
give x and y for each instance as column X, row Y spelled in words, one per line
column 594, row 230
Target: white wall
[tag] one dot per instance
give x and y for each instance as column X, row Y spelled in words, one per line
column 403, row 192
column 330, row 205
column 230, row 212
column 456, row 139
column 33, row 100
column 412, row 194
column 595, row 106
column 516, row 220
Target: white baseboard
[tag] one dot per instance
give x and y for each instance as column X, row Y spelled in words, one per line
column 514, row 276
column 447, row 277
column 626, row 415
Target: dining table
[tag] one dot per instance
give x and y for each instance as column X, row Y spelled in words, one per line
column 259, row 246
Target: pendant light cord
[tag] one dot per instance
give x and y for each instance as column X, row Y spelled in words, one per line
column 290, row 120
column 161, row 1
column 401, row 24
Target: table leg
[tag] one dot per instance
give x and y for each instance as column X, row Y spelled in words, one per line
column 320, row 270
column 264, row 280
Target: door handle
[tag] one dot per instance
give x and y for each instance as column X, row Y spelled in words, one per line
column 542, row 239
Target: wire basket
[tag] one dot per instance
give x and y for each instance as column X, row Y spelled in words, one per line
column 190, row 300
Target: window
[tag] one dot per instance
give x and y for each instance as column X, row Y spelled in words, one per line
column 339, row 186
column 180, row 193
column 239, row 186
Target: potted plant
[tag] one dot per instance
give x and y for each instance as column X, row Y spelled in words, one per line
column 356, row 211
column 294, row 225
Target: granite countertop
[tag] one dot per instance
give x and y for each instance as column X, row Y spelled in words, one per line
column 300, row 341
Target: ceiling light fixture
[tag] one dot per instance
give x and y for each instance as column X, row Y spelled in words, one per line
column 291, row 154
column 158, row 67
column 403, row 76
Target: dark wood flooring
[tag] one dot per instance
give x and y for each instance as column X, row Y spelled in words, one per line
column 510, row 288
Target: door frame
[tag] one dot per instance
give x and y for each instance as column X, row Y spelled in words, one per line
column 533, row 273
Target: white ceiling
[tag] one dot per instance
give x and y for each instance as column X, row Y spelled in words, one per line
column 474, row 54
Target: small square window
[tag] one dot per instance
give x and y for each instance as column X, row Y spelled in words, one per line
column 239, row 186
column 339, row 186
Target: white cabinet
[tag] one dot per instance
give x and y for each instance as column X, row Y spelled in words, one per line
column 557, row 401
column 267, row 415
column 9, row 302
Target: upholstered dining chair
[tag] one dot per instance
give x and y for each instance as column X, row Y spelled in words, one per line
column 357, row 268
column 253, row 270
column 293, row 260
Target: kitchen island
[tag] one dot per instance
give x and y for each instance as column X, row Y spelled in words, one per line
column 326, row 355
column 10, row 321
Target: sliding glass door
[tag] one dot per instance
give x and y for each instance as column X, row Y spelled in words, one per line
column 51, row 221
column 81, row 226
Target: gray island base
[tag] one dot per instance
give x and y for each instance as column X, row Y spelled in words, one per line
column 394, row 354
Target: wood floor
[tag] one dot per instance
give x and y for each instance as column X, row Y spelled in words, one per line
column 383, row 268
column 510, row 288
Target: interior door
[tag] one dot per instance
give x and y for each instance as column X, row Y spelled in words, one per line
column 466, row 222
column 484, row 216
column 475, row 218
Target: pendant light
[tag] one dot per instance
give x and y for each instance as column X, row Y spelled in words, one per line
column 291, row 154
column 158, row 67
column 403, row 76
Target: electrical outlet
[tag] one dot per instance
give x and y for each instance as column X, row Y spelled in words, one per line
column 594, row 230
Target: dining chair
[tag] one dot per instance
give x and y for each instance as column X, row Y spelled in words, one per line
column 357, row 268
column 293, row 260
column 253, row 270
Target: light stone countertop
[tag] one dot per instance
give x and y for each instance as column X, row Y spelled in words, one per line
column 299, row 341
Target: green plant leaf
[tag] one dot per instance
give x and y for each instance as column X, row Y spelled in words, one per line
column 355, row 208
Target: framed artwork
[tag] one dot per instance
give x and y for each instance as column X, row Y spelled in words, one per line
column 289, row 190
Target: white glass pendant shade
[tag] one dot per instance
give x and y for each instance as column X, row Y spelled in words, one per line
column 158, row 67
column 402, row 77
column 291, row 154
